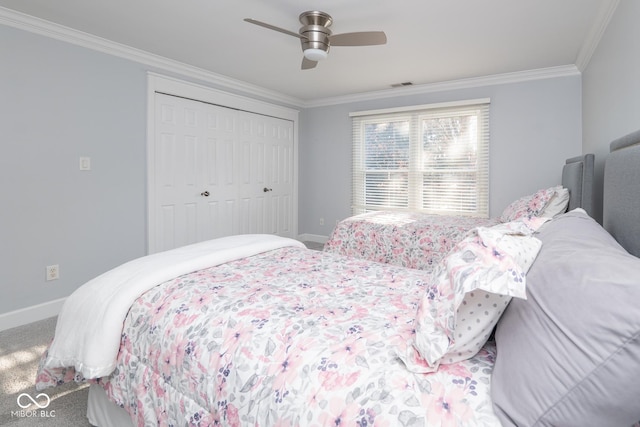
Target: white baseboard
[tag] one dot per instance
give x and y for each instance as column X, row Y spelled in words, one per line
column 30, row 314
column 313, row 238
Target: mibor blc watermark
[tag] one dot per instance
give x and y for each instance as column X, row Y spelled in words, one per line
column 25, row 402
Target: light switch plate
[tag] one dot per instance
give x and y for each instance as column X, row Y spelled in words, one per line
column 85, row 163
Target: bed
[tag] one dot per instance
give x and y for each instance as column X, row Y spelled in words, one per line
column 258, row 330
column 419, row 240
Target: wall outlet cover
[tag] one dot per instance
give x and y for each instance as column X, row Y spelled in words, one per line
column 53, row 272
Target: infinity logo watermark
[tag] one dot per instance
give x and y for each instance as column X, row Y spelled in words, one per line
column 21, row 397
column 25, row 401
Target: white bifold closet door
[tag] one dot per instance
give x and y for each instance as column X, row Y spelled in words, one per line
column 218, row 172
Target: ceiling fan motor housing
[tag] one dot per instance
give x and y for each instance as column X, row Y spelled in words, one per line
column 315, row 30
column 316, row 37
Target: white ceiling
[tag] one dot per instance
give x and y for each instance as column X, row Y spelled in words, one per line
column 429, row 41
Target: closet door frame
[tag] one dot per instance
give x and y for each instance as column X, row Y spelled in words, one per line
column 157, row 83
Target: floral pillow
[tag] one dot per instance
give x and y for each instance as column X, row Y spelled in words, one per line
column 532, row 205
column 471, row 289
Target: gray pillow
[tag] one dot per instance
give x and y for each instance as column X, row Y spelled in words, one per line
column 569, row 355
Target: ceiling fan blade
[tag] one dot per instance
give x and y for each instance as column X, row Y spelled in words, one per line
column 307, row 64
column 363, row 38
column 274, row 28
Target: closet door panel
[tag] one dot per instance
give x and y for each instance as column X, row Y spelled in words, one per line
column 219, row 172
column 177, row 167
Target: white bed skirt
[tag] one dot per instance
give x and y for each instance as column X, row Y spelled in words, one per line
column 101, row 412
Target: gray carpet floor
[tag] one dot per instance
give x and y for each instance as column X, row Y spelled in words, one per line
column 20, row 352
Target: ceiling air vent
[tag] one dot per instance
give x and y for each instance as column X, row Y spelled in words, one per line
column 402, row 84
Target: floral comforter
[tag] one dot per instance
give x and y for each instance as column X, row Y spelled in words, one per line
column 409, row 239
column 288, row 337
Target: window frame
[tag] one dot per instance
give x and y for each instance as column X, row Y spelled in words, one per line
column 416, row 171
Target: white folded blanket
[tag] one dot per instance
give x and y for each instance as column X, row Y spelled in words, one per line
column 90, row 323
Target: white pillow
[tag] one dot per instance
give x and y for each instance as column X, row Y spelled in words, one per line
column 558, row 203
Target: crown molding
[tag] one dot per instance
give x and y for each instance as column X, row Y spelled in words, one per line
column 496, row 79
column 59, row 32
column 598, row 29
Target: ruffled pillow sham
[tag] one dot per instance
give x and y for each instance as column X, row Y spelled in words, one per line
column 471, row 290
column 547, row 202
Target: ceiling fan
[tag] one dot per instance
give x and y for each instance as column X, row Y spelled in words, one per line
column 316, row 37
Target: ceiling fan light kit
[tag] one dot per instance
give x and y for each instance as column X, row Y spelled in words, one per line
column 315, row 54
column 316, row 37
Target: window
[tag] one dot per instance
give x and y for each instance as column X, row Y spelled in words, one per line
column 433, row 159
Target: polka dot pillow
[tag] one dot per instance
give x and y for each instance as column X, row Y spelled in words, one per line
column 534, row 204
column 471, row 290
column 475, row 320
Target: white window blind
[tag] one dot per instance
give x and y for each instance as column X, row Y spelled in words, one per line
column 433, row 159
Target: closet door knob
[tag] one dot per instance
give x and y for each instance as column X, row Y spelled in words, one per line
column 265, row 189
column 205, row 194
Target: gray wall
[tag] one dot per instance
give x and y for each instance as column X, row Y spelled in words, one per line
column 535, row 126
column 59, row 102
column 611, row 88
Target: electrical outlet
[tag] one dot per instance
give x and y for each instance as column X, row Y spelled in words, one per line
column 53, row 272
column 321, row 221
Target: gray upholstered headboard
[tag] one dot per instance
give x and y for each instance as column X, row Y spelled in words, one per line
column 621, row 196
column 577, row 177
